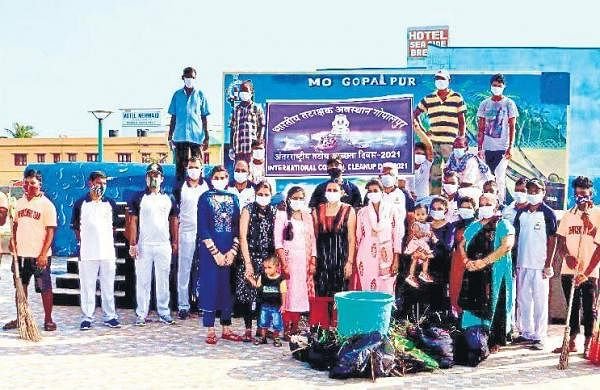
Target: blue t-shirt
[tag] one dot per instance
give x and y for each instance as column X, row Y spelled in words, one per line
column 188, row 112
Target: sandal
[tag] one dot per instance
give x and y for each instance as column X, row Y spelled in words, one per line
column 50, row 326
column 231, row 336
column 10, row 325
column 572, row 349
column 277, row 342
column 260, row 340
column 247, row 336
column 211, row 338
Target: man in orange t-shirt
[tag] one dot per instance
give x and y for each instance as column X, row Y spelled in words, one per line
column 33, row 229
column 579, row 246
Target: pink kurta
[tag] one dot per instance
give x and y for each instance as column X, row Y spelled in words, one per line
column 376, row 249
column 298, row 252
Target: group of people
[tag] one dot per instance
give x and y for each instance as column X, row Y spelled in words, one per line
column 464, row 250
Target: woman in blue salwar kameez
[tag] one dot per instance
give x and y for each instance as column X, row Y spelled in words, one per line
column 217, row 245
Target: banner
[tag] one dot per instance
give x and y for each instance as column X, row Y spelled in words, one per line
column 419, row 37
column 365, row 133
column 141, row 117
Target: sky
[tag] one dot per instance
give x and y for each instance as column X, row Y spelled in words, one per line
column 60, row 59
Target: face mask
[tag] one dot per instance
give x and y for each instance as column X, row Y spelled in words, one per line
column 240, row 177
column 459, row 152
column 263, row 200
column 258, row 154
column 333, row 197
column 153, row 182
column 466, row 213
column 374, row 197
column 520, row 197
column 486, row 212
column 582, row 199
column 449, row 188
column 334, row 173
column 189, row 82
column 535, row 199
column 31, row 191
column 297, row 204
column 194, row 173
column 438, row 215
column 442, row 84
column 245, row 96
column 219, row 184
column 98, row 190
column 388, row 181
column 420, row 158
column 497, row 91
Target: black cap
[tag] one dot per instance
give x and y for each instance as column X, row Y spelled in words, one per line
column 536, row 182
column 154, row 167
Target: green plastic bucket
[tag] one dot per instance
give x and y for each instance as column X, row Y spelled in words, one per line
column 363, row 312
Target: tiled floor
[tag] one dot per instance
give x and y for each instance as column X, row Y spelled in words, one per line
column 161, row 356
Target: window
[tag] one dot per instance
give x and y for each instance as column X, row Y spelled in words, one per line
column 56, row 157
column 92, row 157
column 162, row 157
column 72, row 157
column 20, row 159
column 124, row 157
column 146, row 158
column 41, row 157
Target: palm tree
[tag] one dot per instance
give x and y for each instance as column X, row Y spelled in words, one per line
column 21, row 131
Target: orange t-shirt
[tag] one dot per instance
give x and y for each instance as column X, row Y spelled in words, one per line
column 33, row 216
column 580, row 240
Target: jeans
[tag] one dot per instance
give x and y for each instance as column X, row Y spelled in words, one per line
column 208, row 318
column 584, row 298
column 270, row 316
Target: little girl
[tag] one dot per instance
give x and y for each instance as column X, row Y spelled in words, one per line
column 418, row 247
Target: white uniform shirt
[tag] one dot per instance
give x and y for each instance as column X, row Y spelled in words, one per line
column 422, row 176
column 245, row 197
column 94, row 220
column 153, row 211
column 188, row 206
column 531, row 245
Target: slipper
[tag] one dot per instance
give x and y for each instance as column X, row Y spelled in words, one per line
column 211, row 338
column 49, row 326
column 231, row 336
column 10, row 325
column 247, row 336
column 572, row 349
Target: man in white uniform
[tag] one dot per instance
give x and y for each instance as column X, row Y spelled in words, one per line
column 94, row 218
column 535, row 229
column 187, row 199
column 154, row 214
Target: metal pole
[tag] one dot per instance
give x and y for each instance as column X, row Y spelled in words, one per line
column 100, row 141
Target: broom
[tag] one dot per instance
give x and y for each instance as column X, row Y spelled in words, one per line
column 28, row 329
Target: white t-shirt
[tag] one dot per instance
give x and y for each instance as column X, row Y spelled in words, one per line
column 422, row 175
column 452, row 214
column 188, row 206
column 532, row 240
column 95, row 223
column 153, row 211
column 509, row 213
column 257, row 172
column 472, row 174
column 245, row 197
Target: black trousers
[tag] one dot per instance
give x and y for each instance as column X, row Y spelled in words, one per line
column 584, row 298
column 183, row 151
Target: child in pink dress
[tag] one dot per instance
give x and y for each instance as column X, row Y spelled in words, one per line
column 418, row 247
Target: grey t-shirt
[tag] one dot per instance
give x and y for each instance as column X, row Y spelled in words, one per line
column 496, row 116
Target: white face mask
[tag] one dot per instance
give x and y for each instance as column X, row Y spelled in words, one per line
column 245, row 96
column 333, row 197
column 420, row 158
column 388, row 181
column 438, row 215
column 194, row 173
column 459, row 152
column 442, row 84
column 189, row 82
column 497, row 91
column 535, row 199
column 449, row 188
column 263, row 200
column 374, row 197
column 466, row 213
column 297, row 204
column 219, row 184
column 258, row 154
column 486, row 212
column 154, row 182
column 469, row 192
column 520, row 197
column 240, row 177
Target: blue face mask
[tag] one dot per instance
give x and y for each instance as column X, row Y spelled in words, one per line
column 580, row 199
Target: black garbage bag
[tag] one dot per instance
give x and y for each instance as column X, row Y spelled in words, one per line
column 368, row 355
column 471, row 346
column 299, row 346
column 437, row 342
column 323, row 350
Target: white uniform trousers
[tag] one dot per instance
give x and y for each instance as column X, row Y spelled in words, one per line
column 148, row 256
column 532, row 297
column 89, row 271
column 187, row 245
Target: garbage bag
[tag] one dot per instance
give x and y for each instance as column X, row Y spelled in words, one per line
column 471, row 346
column 435, row 342
column 365, row 355
column 323, row 350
